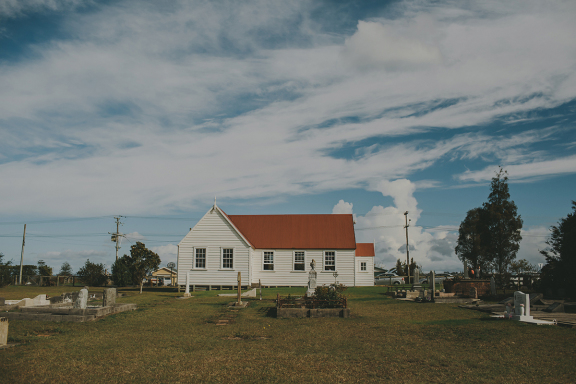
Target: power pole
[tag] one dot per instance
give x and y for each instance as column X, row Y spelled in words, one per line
column 22, row 254
column 116, row 235
column 407, row 250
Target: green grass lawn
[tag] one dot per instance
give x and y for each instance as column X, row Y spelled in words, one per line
column 384, row 340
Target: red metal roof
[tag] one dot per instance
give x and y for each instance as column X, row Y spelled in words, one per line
column 364, row 249
column 297, row 231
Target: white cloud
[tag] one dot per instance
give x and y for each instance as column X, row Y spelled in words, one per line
column 342, row 207
column 377, row 46
column 13, row 8
column 533, row 241
column 76, row 258
column 168, row 253
column 431, row 248
column 148, row 111
column 133, row 237
column 517, row 172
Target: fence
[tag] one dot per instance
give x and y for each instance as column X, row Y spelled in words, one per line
column 46, row 280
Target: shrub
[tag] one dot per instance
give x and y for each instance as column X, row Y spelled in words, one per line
column 92, row 274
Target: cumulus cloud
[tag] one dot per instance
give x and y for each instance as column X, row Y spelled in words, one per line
column 432, row 248
column 342, row 207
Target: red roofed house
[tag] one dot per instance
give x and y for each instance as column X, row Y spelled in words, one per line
column 275, row 249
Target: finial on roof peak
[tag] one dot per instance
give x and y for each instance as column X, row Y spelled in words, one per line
column 214, row 200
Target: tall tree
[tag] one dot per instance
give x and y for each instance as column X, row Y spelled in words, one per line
column 469, row 246
column 121, row 274
column 43, row 269
column 5, row 271
column 502, row 224
column 142, row 262
column 560, row 255
column 65, row 269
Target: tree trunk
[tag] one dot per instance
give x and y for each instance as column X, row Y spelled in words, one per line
column 141, row 284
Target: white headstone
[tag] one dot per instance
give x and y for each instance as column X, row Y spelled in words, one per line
column 521, row 306
column 41, row 300
column 82, row 300
column 187, row 289
column 432, row 282
column 311, row 281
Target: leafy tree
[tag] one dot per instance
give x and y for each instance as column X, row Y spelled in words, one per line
column 522, row 266
column 65, row 269
column 560, row 255
column 470, row 247
column 5, row 271
column 502, row 224
column 121, row 273
column 142, row 262
column 92, row 274
column 489, row 237
column 43, row 269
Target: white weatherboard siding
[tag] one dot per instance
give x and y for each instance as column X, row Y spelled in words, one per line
column 213, row 232
column 284, row 274
column 365, row 278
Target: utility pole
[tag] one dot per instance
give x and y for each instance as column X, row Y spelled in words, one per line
column 22, row 254
column 116, row 235
column 407, row 250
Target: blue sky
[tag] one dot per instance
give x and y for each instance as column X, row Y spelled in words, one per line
column 372, row 108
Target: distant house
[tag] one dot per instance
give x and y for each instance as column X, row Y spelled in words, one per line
column 165, row 275
column 274, row 249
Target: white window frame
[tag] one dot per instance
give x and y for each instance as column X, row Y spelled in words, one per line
column 264, row 263
column 194, row 265
column 324, row 264
column 294, row 261
column 365, row 266
column 222, row 258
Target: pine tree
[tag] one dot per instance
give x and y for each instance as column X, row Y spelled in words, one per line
column 65, row 269
column 469, row 246
column 501, row 225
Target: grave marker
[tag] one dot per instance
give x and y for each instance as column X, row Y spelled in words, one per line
column 311, row 280
column 109, row 297
column 82, row 300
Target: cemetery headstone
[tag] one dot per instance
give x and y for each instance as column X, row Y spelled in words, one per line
column 416, row 276
column 187, row 289
column 2, row 301
column 492, row 286
column 312, row 275
column 521, row 306
column 109, row 297
column 82, row 300
column 239, row 289
column 3, row 331
column 473, row 293
column 432, row 281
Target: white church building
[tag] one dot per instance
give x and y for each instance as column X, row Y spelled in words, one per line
column 274, row 249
